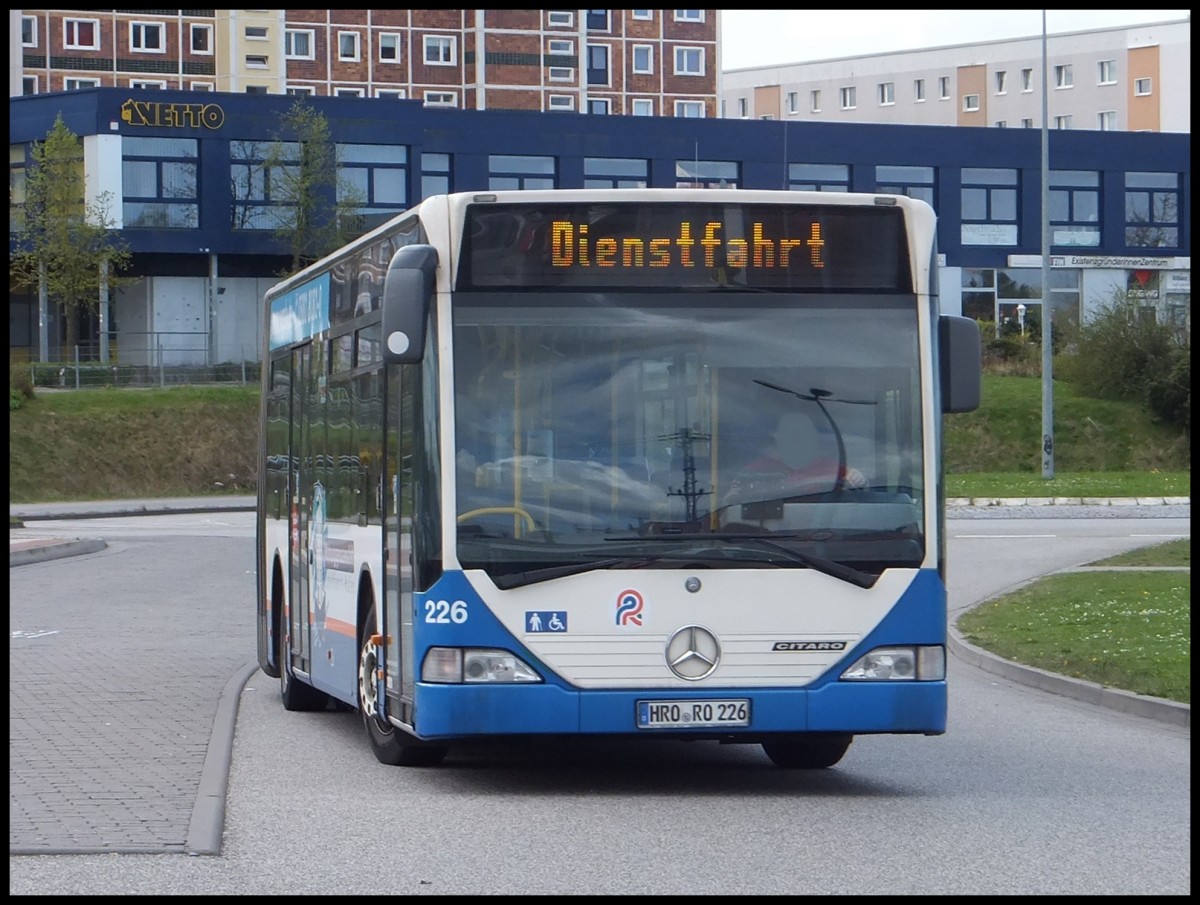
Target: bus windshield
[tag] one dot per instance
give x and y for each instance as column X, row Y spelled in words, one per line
column 735, row 428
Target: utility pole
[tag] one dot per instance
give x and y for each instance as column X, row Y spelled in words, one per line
column 1047, row 307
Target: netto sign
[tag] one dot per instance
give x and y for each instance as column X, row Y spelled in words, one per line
column 178, row 116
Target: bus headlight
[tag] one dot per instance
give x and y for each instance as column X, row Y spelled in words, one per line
column 456, row 665
column 926, row 663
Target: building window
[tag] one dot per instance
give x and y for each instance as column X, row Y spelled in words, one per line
column 743, row 106
column 915, row 182
column 1027, row 122
column 599, row 106
column 993, row 296
column 153, row 84
column 256, row 61
column 29, row 84
column 1075, row 208
column 615, row 173
column 257, row 89
column 558, row 18
column 300, row 90
column 508, row 171
column 561, row 74
column 643, row 59
column 919, row 90
column 256, row 33
column 260, row 192
column 887, row 93
column 814, row 101
column 440, row 50
column 689, row 109
column 597, row 64
column 1001, row 81
column 944, row 87
column 1026, row 80
column 1062, row 122
column 970, row 103
column 349, row 92
column 1142, row 87
column 641, row 106
column 299, row 44
column 1063, row 77
column 818, row 177
column 689, row 15
column 559, row 48
column 146, row 37
column 989, row 206
column 435, row 174
column 160, row 186
column 706, row 174
column 793, row 102
column 849, row 101
column 689, row 61
column 81, row 34
column 29, row 31
column 389, row 48
column 392, row 94
column 201, row 39
column 375, row 177
column 1106, row 72
column 1106, row 120
column 642, row 14
column 441, row 99
column 77, row 84
column 1001, row 124
column 1152, row 210
column 598, row 20
column 560, row 102
column 348, row 46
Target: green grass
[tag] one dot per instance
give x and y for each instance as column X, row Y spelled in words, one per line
column 1076, row 484
column 1128, row 630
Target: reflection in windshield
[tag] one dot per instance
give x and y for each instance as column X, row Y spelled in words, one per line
column 590, row 418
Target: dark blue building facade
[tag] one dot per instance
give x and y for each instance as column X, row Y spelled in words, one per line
column 183, row 170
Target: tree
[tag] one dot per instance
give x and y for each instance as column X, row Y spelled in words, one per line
column 66, row 244
column 319, row 207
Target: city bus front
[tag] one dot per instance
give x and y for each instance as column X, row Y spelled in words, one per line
column 692, row 488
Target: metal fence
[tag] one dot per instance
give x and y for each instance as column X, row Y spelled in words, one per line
column 162, row 358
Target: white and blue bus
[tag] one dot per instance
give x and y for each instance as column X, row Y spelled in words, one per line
column 504, row 485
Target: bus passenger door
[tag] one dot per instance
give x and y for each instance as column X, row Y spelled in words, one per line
column 397, row 541
column 300, row 478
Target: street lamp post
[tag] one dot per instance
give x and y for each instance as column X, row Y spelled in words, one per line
column 1021, row 318
column 1047, row 345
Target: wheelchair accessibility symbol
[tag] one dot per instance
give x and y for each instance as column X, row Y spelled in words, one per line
column 541, row 621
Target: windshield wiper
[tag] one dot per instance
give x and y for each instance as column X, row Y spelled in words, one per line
column 532, row 576
column 830, row 567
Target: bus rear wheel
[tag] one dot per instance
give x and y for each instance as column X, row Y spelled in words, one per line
column 295, row 694
column 391, row 745
column 808, row 750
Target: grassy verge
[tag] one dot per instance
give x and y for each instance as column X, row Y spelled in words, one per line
column 1152, row 483
column 1127, row 630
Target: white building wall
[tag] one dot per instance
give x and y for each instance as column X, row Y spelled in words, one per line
column 1082, row 50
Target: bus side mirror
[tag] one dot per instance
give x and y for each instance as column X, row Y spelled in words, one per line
column 960, row 354
column 407, row 296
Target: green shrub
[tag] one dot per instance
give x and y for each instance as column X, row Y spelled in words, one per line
column 19, row 382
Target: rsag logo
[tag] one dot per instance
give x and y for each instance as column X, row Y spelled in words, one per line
column 629, row 608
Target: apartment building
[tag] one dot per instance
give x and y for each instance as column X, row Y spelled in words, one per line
column 639, row 62
column 1133, row 79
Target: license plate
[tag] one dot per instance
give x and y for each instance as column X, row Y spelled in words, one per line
column 692, row 714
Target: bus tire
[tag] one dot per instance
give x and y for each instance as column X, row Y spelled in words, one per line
column 808, row 750
column 392, row 746
column 296, row 695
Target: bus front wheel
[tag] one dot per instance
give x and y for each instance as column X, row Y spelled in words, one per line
column 391, row 745
column 808, row 750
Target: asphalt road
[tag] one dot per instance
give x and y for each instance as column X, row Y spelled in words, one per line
column 148, row 620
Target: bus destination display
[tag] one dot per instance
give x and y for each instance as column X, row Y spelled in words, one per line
column 614, row 245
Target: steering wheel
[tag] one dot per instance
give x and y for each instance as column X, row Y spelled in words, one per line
column 525, row 517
